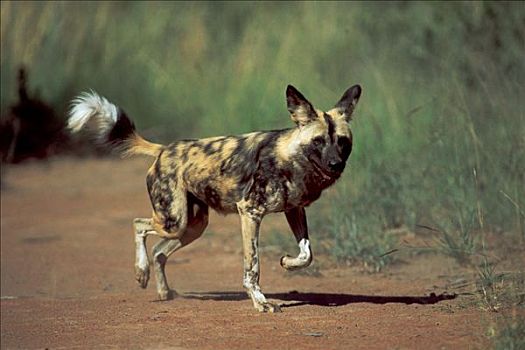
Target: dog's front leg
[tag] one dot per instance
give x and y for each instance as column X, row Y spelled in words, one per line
column 250, row 236
column 297, row 220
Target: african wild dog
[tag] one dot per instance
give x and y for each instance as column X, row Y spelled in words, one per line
column 251, row 174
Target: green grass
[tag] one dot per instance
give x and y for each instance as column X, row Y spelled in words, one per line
column 504, row 295
column 458, row 239
column 439, row 131
column 351, row 236
column 500, row 290
column 488, row 282
column 510, row 334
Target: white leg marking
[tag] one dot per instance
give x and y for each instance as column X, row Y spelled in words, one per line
column 258, row 295
column 302, row 260
column 251, row 283
column 141, row 255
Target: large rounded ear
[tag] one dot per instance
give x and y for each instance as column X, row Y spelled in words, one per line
column 301, row 110
column 347, row 103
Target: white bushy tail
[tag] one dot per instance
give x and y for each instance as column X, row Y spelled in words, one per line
column 109, row 124
column 89, row 107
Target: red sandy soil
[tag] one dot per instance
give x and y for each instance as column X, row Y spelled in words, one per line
column 67, row 278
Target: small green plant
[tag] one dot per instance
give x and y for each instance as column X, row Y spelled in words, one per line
column 500, row 290
column 457, row 239
column 487, row 284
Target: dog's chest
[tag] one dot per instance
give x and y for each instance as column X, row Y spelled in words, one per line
column 281, row 190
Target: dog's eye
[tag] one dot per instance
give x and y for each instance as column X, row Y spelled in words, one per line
column 318, row 141
column 343, row 141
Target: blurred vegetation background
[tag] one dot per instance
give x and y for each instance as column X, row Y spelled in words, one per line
column 439, row 134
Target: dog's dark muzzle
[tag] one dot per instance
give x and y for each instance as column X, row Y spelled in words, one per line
column 336, row 166
column 329, row 171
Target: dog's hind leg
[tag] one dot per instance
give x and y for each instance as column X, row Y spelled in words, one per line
column 197, row 213
column 297, row 220
column 142, row 228
column 161, row 251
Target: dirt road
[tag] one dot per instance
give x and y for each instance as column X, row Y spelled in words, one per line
column 67, row 279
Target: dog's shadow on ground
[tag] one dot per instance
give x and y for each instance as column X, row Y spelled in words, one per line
column 323, row 299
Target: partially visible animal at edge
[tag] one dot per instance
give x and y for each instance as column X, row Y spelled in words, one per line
column 31, row 129
column 251, row 174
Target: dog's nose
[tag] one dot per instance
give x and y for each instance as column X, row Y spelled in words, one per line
column 337, row 166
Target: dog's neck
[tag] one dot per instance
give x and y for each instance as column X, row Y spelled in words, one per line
column 289, row 143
